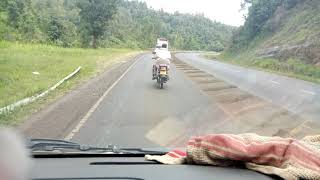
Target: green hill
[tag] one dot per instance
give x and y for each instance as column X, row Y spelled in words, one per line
column 137, row 25
column 281, row 36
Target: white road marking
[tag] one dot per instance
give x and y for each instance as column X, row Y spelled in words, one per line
column 95, row 106
column 274, row 82
column 309, row 92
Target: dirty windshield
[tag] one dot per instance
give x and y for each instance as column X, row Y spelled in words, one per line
column 150, row 74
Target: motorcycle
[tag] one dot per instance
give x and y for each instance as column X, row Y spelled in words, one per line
column 161, row 75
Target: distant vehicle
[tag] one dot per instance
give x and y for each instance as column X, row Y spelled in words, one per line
column 162, row 44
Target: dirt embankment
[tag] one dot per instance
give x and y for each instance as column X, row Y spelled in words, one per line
column 292, row 33
column 308, row 52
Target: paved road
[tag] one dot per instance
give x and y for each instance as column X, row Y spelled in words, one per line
column 136, row 113
column 297, row 96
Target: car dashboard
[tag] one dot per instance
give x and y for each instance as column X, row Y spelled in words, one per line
column 130, row 168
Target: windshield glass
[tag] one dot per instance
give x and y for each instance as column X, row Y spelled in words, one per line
column 152, row 74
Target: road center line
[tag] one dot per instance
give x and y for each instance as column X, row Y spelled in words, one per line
column 309, row 92
column 274, row 82
column 96, row 105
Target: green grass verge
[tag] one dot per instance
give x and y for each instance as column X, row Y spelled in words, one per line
column 18, row 61
column 291, row 68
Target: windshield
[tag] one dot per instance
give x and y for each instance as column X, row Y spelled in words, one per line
column 145, row 74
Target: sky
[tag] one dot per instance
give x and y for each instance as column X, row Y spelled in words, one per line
column 224, row 11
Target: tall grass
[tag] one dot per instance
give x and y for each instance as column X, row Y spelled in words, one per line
column 19, row 61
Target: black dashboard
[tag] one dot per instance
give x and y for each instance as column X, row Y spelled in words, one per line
column 131, row 168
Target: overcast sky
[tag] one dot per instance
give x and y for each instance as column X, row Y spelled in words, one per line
column 225, row 11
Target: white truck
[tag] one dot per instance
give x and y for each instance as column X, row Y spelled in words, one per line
column 162, row 43
column 162, row 49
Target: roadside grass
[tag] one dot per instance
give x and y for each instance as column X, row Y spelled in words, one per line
column 291, row 68
column 19, row 61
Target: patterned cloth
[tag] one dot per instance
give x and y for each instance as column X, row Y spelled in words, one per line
column 284, row 157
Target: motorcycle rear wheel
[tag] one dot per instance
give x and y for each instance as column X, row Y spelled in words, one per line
column 161, row 85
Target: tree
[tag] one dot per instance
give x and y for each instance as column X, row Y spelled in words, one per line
column 22, row 18
column 95, row 15
column 107, row 23
column 15, row 10
column 259, row 12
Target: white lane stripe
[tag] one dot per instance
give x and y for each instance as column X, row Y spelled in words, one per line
column 274, row 82
column 308, row 92
column 95, row 106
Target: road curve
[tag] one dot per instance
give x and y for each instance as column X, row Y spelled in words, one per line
column 202, row 97
column 297, row 96
column 136, row 113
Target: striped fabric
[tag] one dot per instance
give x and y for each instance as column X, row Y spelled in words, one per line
column 284, row 157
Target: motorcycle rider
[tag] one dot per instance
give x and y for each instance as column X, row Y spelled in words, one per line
column 160, row 57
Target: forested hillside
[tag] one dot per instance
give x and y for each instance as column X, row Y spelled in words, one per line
column 279, row 35
column 112, row 23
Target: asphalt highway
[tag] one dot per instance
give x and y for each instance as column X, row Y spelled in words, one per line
column 134, row 112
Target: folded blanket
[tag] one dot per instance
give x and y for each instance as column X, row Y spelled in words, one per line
column 285, row 157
